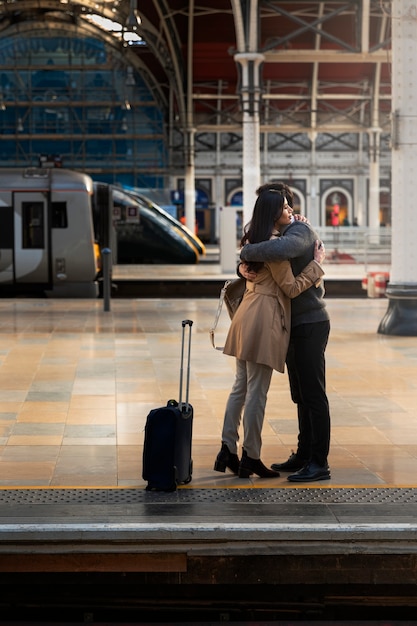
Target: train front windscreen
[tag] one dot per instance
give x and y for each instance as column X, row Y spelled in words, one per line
column 142, row 234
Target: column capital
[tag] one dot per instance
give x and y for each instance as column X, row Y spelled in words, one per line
column 244, row 57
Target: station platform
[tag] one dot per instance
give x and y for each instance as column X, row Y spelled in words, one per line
column 344, row 278
column 76, row 385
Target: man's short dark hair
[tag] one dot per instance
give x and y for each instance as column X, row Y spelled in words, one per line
column 278, row 186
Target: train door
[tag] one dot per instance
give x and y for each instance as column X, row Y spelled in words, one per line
column 31, row 238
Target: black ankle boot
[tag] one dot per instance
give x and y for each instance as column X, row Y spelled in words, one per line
column 250, row 466
column 226, row 459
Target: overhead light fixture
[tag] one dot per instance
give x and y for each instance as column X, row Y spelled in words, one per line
column 133, row 21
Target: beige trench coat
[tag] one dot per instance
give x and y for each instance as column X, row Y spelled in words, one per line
column 260, row 329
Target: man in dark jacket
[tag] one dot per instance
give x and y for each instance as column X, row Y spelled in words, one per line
column 310, row 327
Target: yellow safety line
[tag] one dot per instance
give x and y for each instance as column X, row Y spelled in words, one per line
column 318, row 485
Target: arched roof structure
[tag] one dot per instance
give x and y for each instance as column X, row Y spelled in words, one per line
column 326, row 65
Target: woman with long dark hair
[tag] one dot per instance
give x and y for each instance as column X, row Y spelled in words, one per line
column 259, row 335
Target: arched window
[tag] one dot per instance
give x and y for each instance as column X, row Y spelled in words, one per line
column 337, row 208
column 78, row 98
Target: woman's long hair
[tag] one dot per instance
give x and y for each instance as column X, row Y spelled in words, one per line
column 267, row 210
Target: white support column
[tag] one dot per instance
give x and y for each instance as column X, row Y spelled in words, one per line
column 228, row 247
column 401, row 316
column 374, row 190
column 251, row 96
column 219, row 198
column 313, row 209
column 189, row 190
column 359, row 200
column 360, row 194
column 251, row 164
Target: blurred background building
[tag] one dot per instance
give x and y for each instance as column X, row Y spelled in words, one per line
column 154, row 95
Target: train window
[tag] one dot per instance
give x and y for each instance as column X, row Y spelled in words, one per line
column 33, row 225
column 59, row 215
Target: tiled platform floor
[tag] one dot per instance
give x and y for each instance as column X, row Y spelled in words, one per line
column 76, row 385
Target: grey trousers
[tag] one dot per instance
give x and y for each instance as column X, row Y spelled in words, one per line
column 249, row 393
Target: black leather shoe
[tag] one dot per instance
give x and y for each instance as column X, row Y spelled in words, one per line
column 292, row 464
column 250, row 466
column 226, row 459
column 310, row 472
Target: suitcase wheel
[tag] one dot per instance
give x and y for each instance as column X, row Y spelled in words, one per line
column 153, row 486
column 190, row 474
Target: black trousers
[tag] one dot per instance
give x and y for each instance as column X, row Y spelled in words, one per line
column 307, row 375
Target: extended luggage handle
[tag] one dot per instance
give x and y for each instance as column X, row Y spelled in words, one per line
column 185, row 323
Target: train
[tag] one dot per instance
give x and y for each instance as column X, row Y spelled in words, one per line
column 55, row 222
column 186, row 233
column 145, row 233
column 47, row 239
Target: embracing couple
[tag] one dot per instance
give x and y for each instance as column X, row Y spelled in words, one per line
column 282, row 320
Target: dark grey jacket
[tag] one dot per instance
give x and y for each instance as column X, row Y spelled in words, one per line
column 297, row 245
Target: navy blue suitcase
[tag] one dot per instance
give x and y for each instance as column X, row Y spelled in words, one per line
column 167, row 460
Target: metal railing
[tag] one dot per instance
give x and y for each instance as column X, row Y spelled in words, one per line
column 361, row 245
